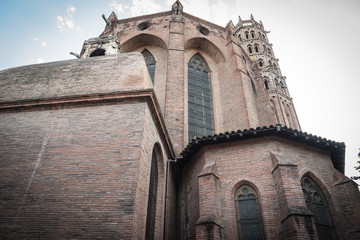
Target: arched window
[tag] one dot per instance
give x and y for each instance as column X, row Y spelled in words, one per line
column 252, row 34
column 151, row 210
column 247, row 35
column 248, row 214
column 250, row 49
column 200, row 116
column 97, row 52
column 266, row 83
column 256, row 48
column 319, row 206
column 261, row 63
column 150, row 63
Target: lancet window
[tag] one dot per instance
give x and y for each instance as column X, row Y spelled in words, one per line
column 319, row 206
column 151, row 210
column 200, row 116
column 248, row 214
column 150, row 63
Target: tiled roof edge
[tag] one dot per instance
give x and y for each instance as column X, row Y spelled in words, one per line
column 337, row 149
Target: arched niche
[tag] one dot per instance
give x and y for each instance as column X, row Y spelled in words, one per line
column 205, row 45
column 143, row 40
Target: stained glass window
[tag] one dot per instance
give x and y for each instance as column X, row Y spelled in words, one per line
column 150, row 63
column 200, row 116
column 248, row 214
column 151, row 210
column 318, row 205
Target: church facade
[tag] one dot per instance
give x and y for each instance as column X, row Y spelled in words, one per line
column 167, row 126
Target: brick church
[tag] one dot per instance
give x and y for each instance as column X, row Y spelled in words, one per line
column 167, row 126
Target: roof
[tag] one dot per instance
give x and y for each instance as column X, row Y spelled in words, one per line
column 336, row 149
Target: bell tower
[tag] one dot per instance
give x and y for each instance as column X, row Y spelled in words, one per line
column 253, row 39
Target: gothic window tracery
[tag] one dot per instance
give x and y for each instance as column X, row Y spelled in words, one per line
column 200, row 116
column 150, row 63
column 248, row 215
column 319, row 206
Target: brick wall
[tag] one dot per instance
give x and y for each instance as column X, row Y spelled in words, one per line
column 283, row 209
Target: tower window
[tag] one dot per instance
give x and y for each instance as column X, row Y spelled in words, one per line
column 150, row 63
column 256, row 48
column 252, row 34
column 266, row 84
column 97, row 52
column 319, row 206
column 250, row 49
column 200, row 116
column 247, row 35
column 248, row 214
column 261, row 63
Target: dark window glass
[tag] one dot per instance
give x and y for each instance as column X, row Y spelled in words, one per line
column 150, row 63
column 248, row 217
column 199, row 98
column 150, row 220
column 250, row 49
column 318, row 205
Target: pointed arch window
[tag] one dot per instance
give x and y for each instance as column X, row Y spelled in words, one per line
column 200, row 116
column 248, row 214
column 151, row 210
column 250, row 49
column 319, row 206
column 150, row 63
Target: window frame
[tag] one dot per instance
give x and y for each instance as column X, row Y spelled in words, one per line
column 239, row 221
column 307, row 192
column 200, row 103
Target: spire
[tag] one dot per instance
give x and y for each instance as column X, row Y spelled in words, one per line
column 252, row 17
column 240, row 20
column 177, row 8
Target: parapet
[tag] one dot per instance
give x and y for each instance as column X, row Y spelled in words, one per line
column 98, row 75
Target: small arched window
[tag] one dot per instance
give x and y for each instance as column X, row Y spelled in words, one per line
column 261, row 63
column 248, row 214
column 247, row 35
column 266, row 83
column 256, row 48
column 250, row 49
column 319, row 206
column 151, row 210
column 200, row 116
column 150, row 63
column 252, row 34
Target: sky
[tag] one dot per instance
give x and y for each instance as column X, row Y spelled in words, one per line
column 317, row 43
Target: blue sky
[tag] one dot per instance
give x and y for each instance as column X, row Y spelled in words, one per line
column 317, row 43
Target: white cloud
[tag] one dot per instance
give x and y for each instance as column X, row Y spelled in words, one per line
column 71, row 10
column 118, row 7
column 39, row 60
column 66, row 24
column 44, row 44
column 35, row 39
column 141, row 7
